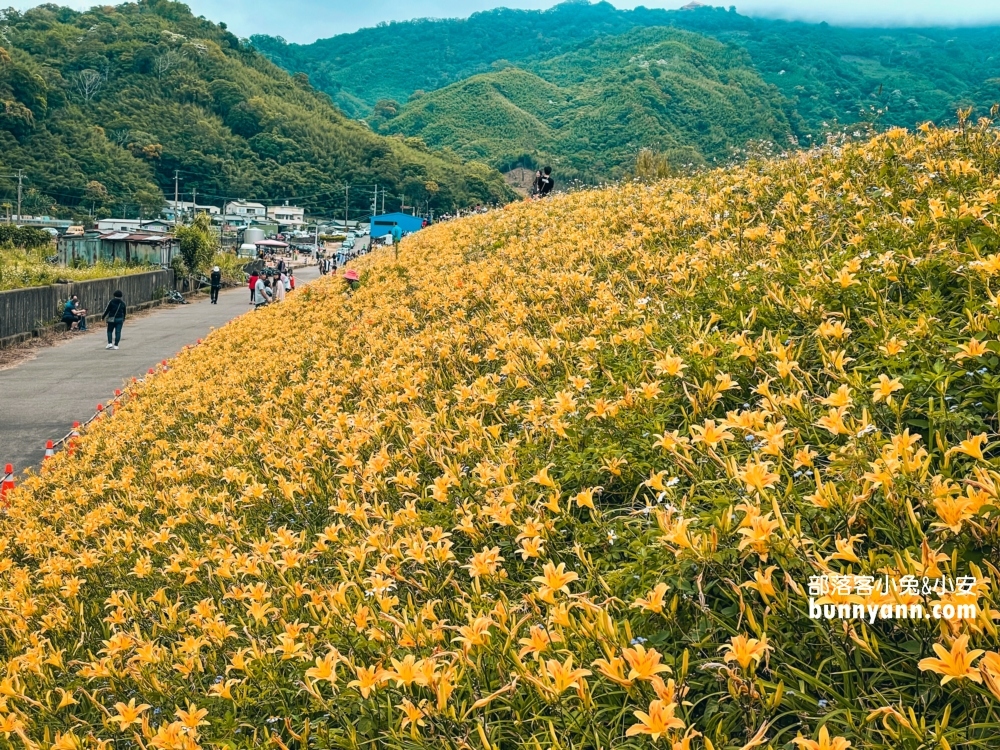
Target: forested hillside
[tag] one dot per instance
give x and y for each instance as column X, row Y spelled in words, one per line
column 99, row 109
column 359, row 69
column 589, row 111
column 829, row 77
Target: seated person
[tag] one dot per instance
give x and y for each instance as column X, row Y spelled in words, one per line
column 73, row 314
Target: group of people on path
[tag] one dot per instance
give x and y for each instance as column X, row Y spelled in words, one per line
column 114, row 314
column 270, row 285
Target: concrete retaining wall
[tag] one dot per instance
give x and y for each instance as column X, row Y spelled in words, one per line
column 23, row 312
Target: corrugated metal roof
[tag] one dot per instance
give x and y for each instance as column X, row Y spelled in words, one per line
column 147, row 238
column 129, row 237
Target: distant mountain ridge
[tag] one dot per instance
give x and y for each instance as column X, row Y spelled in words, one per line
column 825, row 75
column 590, row 110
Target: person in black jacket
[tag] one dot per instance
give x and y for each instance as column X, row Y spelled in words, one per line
column 547, row 182
column 215, row 282
column 114, row 314
column 543, row 182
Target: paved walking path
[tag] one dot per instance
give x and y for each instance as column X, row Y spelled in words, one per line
column 42, row 397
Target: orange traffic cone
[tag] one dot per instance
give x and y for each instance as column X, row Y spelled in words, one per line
column 73, row 435
column 8, row 483
column 49, row 450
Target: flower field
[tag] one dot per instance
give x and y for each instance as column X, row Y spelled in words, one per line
column 559, row 478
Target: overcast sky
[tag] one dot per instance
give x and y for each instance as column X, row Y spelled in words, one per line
column 308, row 20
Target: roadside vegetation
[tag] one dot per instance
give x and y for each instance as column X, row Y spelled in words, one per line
column 21, row 268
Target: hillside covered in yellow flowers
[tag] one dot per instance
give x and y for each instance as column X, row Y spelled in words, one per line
column 560, row 477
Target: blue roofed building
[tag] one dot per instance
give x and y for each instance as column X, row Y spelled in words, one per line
column 382, row 225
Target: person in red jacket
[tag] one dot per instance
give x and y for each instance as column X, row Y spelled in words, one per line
column 253, row 284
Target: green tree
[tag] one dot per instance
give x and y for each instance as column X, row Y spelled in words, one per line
column 197, row 244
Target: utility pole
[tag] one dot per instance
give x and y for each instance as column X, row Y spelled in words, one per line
column 194, row 203
column 383, row 201
column 177, row 208
column 375, row 201
column 347, row 190
column 20, row 175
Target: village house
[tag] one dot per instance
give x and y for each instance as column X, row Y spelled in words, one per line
column 126, row 247
column 287, row 217
column 184, row 209
column 246, row 209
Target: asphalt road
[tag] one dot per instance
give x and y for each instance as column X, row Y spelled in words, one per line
column 42, row 397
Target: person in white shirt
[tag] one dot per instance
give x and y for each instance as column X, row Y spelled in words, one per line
column 261, row 294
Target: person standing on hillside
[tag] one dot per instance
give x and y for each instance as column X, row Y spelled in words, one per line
column 397, row 237
column 114, row 314
column 215, row 283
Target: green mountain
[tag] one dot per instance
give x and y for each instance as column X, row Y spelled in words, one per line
column 826, row 77
column 361, row 68
column 589, row 111
column 101, row 109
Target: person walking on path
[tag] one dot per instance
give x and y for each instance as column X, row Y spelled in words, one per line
column 73, row 313
column 114, row 314
column 254, row 277
column 215, row 282
column 291, row 279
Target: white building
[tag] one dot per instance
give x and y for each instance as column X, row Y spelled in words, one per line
column 287, row 216
column 184, row 208
column 132, row 225
column 246, row 209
